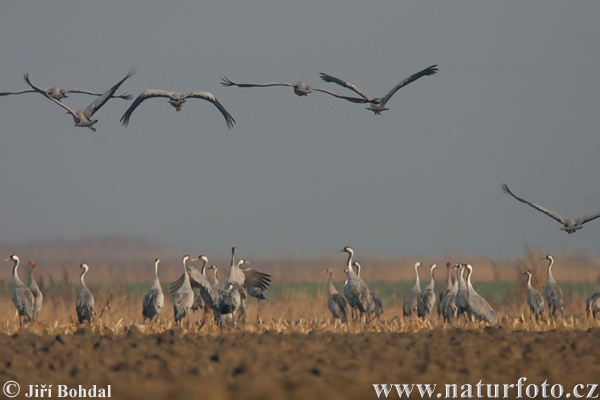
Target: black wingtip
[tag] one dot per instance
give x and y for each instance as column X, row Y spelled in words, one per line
column 505, row 188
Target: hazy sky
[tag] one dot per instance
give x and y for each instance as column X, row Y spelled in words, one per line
column 516, row 100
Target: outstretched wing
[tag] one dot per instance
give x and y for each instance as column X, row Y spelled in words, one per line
column 427, row 71
column 21, row 92
column 255, row 278
column 589, row 218
column 549, row 213
column 69, row 109
column 124, row 96
column 226, row 82
column 346, row 84
column 147, row 94
column 210, row 97
column 96, row 105
column 352, row 99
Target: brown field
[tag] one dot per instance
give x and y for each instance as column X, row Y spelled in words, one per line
column 294, row 350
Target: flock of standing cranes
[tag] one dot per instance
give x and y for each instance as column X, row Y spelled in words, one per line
column 83, row 117
column 228, row 299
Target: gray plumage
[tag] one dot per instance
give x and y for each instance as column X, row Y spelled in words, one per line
column 570, row 225
column 409, row 301
column 535, row 300
column 552, row 292
column 336, row 303
column 154, row 298
column 378, row 103
column 84, row 304
column 426, row 298
column 59, row 93
column 374, row 304
column 445, row 291
column 592, row 303
column 21, row 295
column 462, row 304
column 83, row 117
column 448, row 303
column 355, row 289
column 300, row 88
column 38, row 296
column 478, row 306
column 177, row 100
column 183, row 296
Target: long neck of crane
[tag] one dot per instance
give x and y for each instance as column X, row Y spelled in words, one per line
column 332, row 289
column 186, row 278
column 432, row 283
column 349, row 262
column 156, row 281
column 529, row 280
column 418, row 280
column 448, row 278
column 81, row 282
column 233, row 256
column 15, row 273
column 550, row 276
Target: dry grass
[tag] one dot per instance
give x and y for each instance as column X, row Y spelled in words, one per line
column 117, row 265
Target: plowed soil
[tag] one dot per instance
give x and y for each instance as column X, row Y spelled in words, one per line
column 296, row 366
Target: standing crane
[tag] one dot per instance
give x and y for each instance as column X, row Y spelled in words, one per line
column 462, row 304
column 38, row 297
column 448, row 303
column 355, row 289
column 336, row 303
column 409, row 301
column 84, row 304
column 592, row 303
column 552, row 291
column 445, row 291
column 426, row 298
column 535, row 300
column 21, row 295
column 375, row 305
column 183, row 297
column 154, row 298
column 478, row 306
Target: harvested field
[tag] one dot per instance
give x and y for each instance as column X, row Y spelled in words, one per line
column 272, row 365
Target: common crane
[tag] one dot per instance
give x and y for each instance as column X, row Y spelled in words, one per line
column 300, row 88
column 378, row 103
column 552, row 292
column 374, row 305
column 409, row 301
column 38, row 297
column 592, row 303
column 84, row 304
column 154, row 298
column 426, row 298
column 448, row 303
column 83, row 117
column 462, row 304
column 445, row 291
column 177, row 100
column 183, row 297
column 21, row 295
column 570, row 225
column 535, row 300
column 336, row 303
column 59, row 93
column 478, row 306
